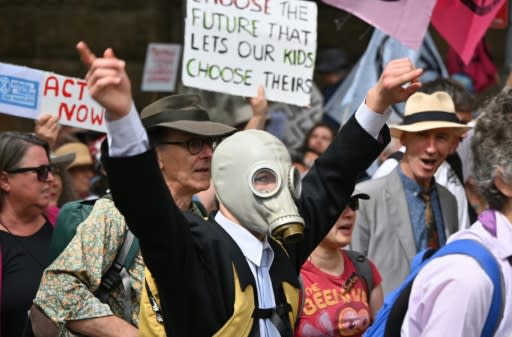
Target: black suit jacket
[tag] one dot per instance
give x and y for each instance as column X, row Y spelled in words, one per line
column 195, row 262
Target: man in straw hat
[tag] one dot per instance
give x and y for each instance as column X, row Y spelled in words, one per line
column 456, row 294
column 228, row 276
column 408, row 211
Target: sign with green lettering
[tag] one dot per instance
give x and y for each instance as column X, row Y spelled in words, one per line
column 232, row 46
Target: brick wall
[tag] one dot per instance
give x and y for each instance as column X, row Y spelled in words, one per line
column 43, row 34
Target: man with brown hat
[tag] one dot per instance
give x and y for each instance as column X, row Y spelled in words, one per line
column 184, row 138
column 408, row 211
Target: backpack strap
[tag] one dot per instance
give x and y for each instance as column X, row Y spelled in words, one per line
column 487, row 262
column 363, row 268
column 118, row 274
column 398, row 155
column 200, row 207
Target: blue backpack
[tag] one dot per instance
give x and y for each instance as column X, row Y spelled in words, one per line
column 388, row 322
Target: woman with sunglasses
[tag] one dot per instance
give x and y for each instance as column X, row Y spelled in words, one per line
column 336, row 299
column 25, row 233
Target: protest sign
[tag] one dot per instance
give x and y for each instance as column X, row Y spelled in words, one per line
column 26, row 92
column 19, row 90
column 69, row 99
column 232, row 46
column 404, row 20
column 161, row 67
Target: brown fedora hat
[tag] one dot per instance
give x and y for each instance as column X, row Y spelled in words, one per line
column 183, row 113
column 426, row 112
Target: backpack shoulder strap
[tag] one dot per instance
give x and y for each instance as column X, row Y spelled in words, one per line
column 467, row 247
column 118, row 273
column 488, row 263
column 363, row 268
column 200, row 208
column 398, row 155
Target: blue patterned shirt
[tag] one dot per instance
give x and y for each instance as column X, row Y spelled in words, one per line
column 417, row 210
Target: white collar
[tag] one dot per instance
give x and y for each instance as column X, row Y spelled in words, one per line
column 251, row 246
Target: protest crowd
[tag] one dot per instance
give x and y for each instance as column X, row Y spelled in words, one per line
column 336, row 198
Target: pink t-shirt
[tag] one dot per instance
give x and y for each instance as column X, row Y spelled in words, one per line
column 334, row 306
column 52, row 212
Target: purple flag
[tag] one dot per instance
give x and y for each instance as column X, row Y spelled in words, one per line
column 405, row 20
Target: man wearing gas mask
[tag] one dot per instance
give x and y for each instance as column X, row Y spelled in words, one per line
column 230, row 275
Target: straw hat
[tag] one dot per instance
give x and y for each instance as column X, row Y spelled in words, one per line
column 426, row 112
column 81, row 151
column 63, row 159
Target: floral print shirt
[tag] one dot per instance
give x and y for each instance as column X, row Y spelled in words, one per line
column 67, row 286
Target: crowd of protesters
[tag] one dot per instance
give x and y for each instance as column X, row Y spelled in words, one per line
column 236, row 239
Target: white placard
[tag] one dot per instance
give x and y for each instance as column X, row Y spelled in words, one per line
column 26, row 92
column 232, row 46
column 161, row 67
column 19, row 90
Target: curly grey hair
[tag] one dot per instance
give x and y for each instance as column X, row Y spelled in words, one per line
column 492, row 148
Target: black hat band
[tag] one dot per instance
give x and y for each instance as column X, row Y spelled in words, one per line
column 431, row 116
column 174, row 116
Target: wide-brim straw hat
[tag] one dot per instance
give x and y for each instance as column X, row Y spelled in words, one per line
column 63, row 159
column 425, row 112
column 82, row 154
column 183, row 113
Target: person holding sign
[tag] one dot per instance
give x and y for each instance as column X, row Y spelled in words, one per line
column 228, row 275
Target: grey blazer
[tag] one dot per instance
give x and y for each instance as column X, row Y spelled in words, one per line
column 383, row 229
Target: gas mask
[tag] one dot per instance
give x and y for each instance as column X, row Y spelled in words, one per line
column 255, row 180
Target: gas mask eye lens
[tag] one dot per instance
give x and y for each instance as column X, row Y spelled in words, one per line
column 295, row 182
column 265, row 182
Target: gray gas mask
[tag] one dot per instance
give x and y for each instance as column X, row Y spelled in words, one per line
column 255, row 180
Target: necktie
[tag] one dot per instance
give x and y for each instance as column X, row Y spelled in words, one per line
column 430, row 222
column 265, row 293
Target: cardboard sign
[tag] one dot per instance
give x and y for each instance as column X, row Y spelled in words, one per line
column 69, row 99
column 161, row 67
column 26, row 92
column 233, row 46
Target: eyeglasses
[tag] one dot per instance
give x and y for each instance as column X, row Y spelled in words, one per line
column 353, row 203
column 194, row 145
column 42, row 171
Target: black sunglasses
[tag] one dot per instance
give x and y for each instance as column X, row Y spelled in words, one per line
column 194, row 145
column 42, row 171
column 353, row 203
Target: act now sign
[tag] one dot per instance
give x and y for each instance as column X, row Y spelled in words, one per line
column 27, row 92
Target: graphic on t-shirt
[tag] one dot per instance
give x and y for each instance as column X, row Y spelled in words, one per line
column 334, row 311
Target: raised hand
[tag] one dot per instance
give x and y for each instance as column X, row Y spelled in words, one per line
column 259, row 106
column 389, row 89
column 107, row 81
column 259, row 103
column 47, row 128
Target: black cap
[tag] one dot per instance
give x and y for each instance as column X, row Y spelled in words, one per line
column 331, row 60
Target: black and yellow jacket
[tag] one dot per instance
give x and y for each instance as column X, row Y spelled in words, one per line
column 205, row 284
